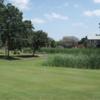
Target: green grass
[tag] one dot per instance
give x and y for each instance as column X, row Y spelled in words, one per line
column 79, row 60
column 74, row 57
column 27, row 79
column 70, row 50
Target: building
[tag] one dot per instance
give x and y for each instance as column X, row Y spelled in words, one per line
column 94, row 41
column 69, row 42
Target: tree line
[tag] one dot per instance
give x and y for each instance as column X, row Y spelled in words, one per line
column 16, row 33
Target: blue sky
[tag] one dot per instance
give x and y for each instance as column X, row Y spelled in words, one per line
column 62, row 17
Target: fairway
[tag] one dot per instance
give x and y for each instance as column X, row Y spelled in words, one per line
column 27, row 79
column 49, row 49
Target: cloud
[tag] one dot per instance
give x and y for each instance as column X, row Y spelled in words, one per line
column 96, row 1
column 92, row 13
column 38, row 21
column 21, row 4
column 56, row 16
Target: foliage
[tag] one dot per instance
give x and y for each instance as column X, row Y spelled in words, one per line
column 1, row 1
column 85, row 59
column 84, row 41
column 10, row 26
column 27, row 50
column 39, row 39
column 51, row 43
column 14, row 32
column 70, row 50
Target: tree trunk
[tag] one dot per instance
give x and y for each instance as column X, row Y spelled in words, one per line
column 34, row 52
column 7, row 54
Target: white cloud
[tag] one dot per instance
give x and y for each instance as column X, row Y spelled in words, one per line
column 96, row 1
column 92, row 13
column 56, row 16
column 88, row 13
column 21, row 4
column 38, row 21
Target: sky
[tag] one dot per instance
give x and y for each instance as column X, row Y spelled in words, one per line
column 61, row 18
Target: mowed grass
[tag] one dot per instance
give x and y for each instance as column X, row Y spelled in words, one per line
column 28, row 79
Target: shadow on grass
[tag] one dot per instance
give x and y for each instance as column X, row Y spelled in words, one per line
column 27, row 56
column 17, row 57
column 2, row 57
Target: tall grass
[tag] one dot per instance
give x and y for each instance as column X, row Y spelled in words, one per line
column 80, row 60
column 70, row 51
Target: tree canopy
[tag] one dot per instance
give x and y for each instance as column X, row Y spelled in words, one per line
column 16, row 33
column 39, row 40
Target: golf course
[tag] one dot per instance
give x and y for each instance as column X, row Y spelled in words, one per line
column 28, row 79
column 49, row 49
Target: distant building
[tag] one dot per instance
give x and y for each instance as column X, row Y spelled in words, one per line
column 93, row 40
column 69, row 42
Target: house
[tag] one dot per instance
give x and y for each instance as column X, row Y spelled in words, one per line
column 93, row 41
column 69, row 42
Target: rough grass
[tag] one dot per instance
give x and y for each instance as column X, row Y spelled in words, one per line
column 27, row 79
column 91, row 61
column 70, row 50
column 75, row 57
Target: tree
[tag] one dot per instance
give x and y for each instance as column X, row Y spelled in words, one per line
column 39, row 40
column 51, row 43
column 1, row 1
column 83, row 41
column 2, row 13
column 14, row 32
column 11, row 27
column 27, row 33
